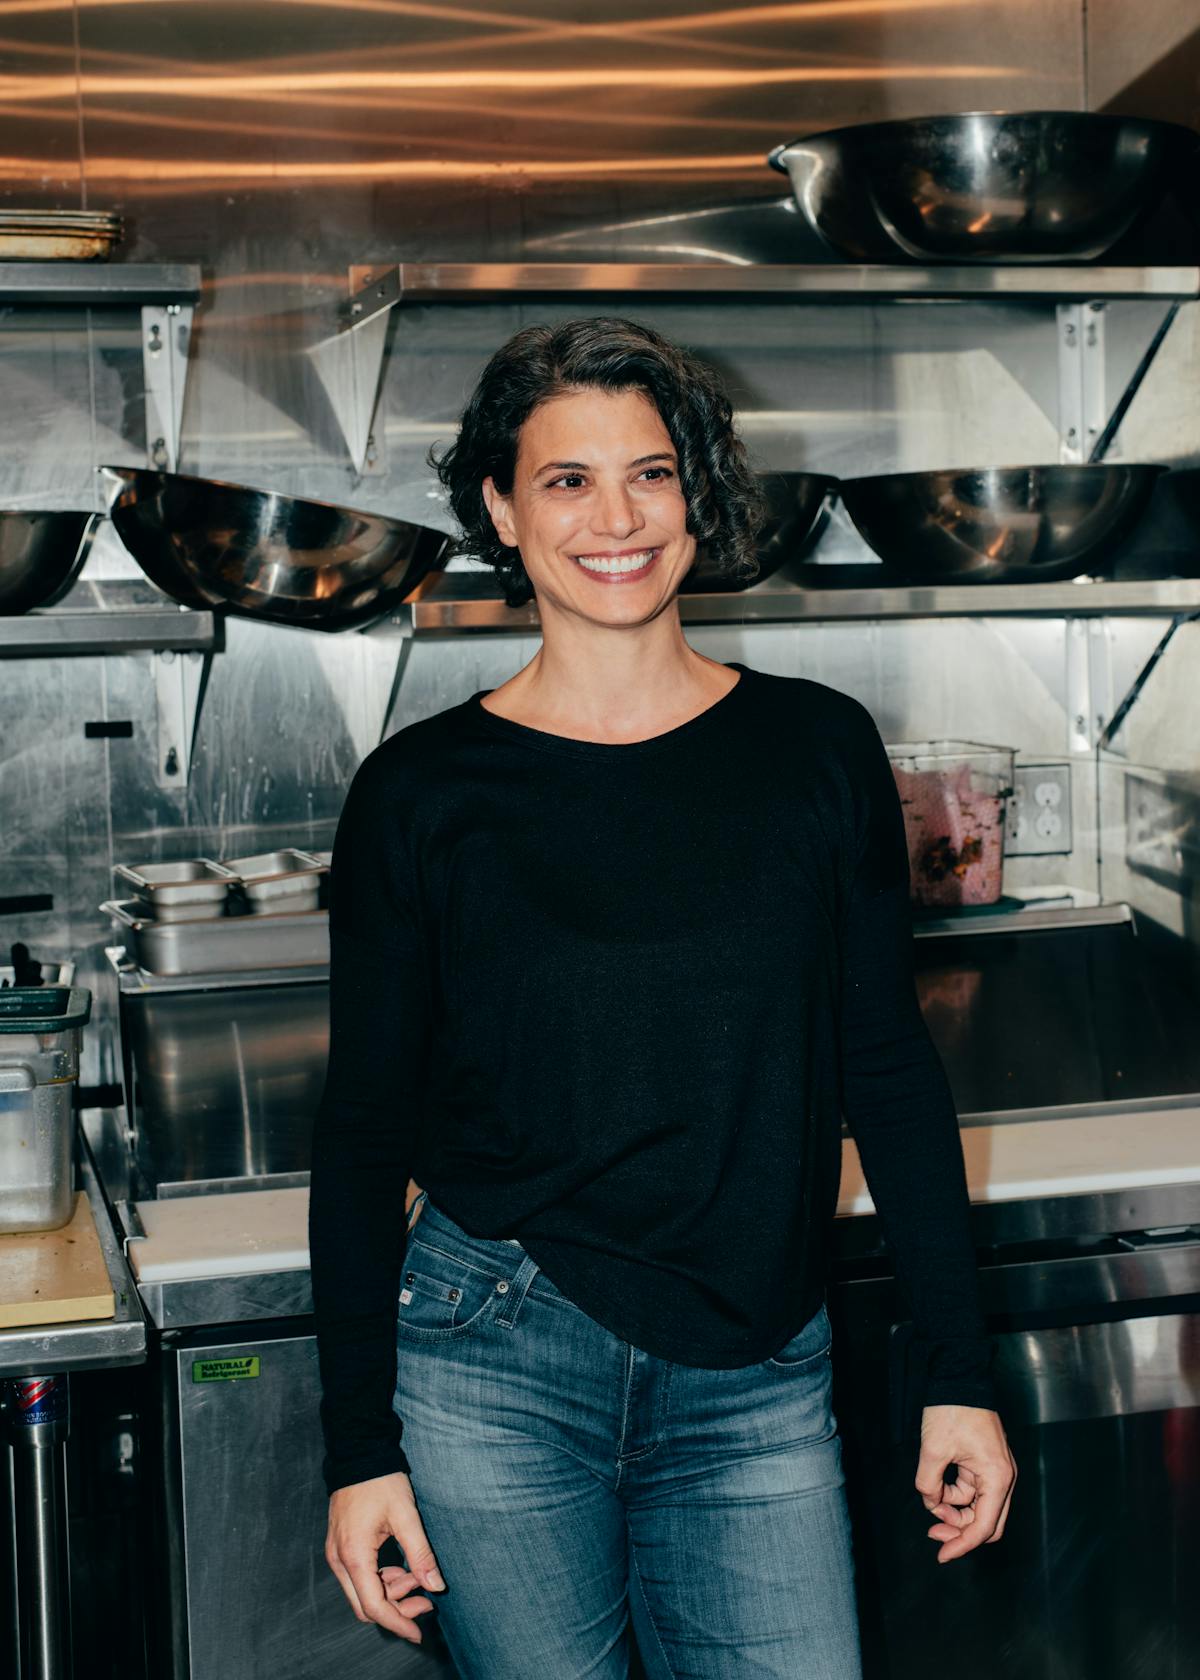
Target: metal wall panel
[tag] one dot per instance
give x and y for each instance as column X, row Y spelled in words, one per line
column 40, row 109
column 278, row 144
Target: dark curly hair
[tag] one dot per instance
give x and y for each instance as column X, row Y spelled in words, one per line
column 725, row 508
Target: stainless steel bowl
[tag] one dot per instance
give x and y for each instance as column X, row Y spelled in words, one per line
column 1022, row 186
column 263, row 555
column 798, row 506
column 41, row 555
column 997, row 524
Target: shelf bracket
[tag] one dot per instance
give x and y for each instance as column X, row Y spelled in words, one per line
column 166, row 335
column 1108, row 739
column 179, row 683
column 1089, row 683
column 1086, row 427
column 1081, row 405
column 349, row 364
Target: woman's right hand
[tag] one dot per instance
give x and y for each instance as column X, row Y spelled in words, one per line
column 361, row 1517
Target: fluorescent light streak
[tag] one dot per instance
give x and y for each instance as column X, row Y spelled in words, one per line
column 144, row 170
column 18, row 89
column 797, row 11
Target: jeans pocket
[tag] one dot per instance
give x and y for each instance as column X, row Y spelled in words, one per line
column 442, row 1296
column 809, row 1345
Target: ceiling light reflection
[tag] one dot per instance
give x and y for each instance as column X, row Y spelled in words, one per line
column 39, row 88
column 142, row 170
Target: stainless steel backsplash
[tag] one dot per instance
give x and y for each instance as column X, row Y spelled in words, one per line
column 277, row 145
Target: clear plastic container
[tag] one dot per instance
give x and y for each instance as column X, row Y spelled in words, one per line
column 954, row 796
column 41, row 1029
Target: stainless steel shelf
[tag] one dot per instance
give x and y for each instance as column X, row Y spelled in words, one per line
column 1030, row 918
column 349, row 362
column 98, row 283
column 84, row 1344
column 54, row 634
column 374, row 290
column 466, row 602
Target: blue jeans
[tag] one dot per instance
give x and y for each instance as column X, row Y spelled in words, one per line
column 571, row 1484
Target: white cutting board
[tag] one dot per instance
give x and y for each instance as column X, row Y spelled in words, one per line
column 1062, row 1157
column 223, row 1235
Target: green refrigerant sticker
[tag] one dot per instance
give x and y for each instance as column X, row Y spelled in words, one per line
column 224, row 1370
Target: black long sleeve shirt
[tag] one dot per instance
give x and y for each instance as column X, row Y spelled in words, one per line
column 614, row 1000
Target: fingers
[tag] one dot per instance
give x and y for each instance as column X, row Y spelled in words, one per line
column 930, row 1479
column 369, row 1588
column 989, row 1504
column 961, row 1492
column 954, row 1516
column 362, row 1516
column 399, row 1588
column 1007, row 1503
column 346, row 1584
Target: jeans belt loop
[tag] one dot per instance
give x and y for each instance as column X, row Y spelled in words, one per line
column 518, row 1288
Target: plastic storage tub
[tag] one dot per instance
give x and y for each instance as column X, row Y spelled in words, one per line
column 40, row 1032
column 953, row 795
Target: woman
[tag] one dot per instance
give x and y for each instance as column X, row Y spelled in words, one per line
column 614, row 947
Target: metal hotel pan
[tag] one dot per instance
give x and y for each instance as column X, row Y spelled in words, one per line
column 223, row 943
column 275, row 882
column 184, row 890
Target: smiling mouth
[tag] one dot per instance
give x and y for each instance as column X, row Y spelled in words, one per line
column 618, row 568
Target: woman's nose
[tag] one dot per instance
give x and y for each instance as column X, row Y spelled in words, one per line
column 617, row 513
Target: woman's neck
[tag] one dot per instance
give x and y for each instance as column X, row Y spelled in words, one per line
column 606, row 684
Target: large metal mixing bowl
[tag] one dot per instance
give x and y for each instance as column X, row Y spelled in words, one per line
column 1022, row 186
column 263, row 555
column 798, row 505
column 41, row 555
column 997, row 524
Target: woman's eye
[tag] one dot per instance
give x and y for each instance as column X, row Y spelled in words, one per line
column 658, row 475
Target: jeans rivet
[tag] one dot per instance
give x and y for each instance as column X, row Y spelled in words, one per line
column 455, row 1293
column 502, row 1288
column 408, row 1277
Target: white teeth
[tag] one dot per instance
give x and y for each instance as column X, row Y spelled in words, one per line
column 616, row 562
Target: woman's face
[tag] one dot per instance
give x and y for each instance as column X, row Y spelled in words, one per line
column 596, row 508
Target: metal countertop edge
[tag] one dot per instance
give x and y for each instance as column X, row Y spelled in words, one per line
column 84, row 1344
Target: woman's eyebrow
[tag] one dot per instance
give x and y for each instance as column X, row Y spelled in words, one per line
column 582, row 466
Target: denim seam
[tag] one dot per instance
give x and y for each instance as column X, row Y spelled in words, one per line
column 629, row 1363
column 446, row 1254
column 637, row 1575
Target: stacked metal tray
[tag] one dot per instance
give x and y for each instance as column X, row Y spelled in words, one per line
column 204, row 916
column 57, row 235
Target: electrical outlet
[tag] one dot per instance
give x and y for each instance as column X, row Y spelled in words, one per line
column 1039, row 811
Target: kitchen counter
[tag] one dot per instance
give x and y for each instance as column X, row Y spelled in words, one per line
column 1078, row 1151
column 238, row 1255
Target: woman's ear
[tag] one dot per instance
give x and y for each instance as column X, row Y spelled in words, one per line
column 500, row 508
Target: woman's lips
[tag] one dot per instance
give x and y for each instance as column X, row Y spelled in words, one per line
column 629, row 567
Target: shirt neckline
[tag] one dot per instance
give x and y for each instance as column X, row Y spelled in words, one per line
column 547, row 742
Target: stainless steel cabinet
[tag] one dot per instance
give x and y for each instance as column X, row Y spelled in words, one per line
column 1097, row 1331
column 247, row 1590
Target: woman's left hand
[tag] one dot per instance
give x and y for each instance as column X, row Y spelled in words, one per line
column 973, row 1510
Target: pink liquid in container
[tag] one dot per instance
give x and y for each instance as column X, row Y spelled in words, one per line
column 953, row 795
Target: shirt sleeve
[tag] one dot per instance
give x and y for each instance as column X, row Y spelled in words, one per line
column 362, row 1145
column 898, row 1103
